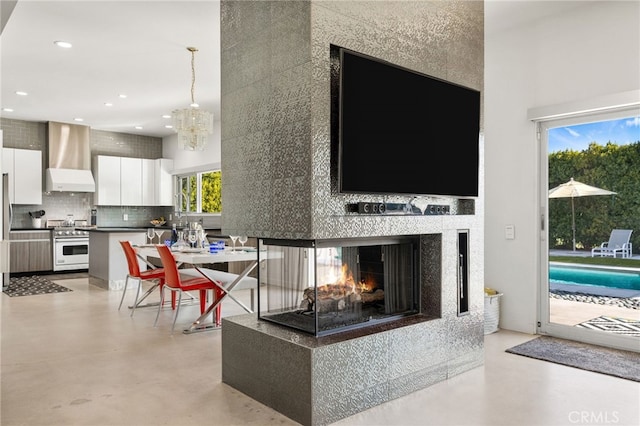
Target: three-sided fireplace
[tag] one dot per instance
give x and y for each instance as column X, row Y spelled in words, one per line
column 328, row 286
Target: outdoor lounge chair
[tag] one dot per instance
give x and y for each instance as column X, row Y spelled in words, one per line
column 619, row 242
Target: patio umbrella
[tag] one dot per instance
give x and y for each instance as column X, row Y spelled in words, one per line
column 574, row 189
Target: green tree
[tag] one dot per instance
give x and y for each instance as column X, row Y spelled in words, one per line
column 211, row 192
column 613, row 167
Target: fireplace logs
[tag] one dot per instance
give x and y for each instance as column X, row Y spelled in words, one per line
column 337, row 297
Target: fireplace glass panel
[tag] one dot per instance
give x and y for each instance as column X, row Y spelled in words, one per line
column 327, row 286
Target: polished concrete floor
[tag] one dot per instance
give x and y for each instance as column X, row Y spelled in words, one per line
column 74, row 359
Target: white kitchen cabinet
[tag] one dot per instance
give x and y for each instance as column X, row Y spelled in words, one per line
column 126, row 181
column 164, row 182
column 148, row 182
column 130, row 181
column 106, row 172
column 24, row 167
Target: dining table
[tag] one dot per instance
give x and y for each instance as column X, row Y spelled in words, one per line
column 196, row 258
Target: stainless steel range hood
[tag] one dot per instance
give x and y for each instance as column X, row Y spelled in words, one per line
column 69, row 158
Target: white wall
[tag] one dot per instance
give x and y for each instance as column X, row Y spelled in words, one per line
column 586, row 52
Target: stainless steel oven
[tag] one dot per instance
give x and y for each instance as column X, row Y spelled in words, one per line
column 70, row 249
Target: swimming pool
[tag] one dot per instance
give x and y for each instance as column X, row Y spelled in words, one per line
column 610, row 278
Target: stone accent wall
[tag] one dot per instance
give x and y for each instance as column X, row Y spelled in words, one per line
column 276, row 142
column 277, row 181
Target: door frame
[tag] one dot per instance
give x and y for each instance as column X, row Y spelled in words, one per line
column 601, row 109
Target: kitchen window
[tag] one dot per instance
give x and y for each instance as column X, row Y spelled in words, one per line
column 199, row 192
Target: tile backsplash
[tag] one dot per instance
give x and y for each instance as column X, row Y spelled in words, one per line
column 58, row 205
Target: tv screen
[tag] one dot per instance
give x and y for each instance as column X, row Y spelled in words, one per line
column 403, row 132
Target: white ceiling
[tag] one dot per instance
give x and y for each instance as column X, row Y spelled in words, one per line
column 137, row 48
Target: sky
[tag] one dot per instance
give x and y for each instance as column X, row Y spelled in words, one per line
column 578, row 137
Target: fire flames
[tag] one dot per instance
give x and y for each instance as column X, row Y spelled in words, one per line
column 345, row 284
column 341, row 292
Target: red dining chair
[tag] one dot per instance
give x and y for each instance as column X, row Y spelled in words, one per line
column 176, row 284
column 156, row 275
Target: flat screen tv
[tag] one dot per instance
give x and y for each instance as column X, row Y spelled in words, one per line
column 401, row 131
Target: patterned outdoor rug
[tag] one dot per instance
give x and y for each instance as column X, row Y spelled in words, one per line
column 599, row 359
column 627, row 327
column 27, row 286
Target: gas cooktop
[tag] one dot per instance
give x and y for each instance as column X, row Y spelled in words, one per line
column 69, row 232
column 62, row 230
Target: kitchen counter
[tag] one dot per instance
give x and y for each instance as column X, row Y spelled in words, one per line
column 107, row 262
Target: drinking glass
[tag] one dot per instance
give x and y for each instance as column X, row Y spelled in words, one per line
column 158, row 232
column 242, row 239
column 193, row 237
column 181, row 243
column 150, row 234
column 234, row 238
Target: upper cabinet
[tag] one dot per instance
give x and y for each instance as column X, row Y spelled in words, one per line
column 24, row 167
column 125, row 181
column 106, row 172
column 164, row 182
column 148, row 182
column 131, row 181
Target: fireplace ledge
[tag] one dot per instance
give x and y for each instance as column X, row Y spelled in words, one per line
column 320, row 380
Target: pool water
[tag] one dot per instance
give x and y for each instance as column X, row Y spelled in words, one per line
column 595, row 277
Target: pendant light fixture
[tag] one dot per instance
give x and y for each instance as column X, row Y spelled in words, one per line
column 192, row 124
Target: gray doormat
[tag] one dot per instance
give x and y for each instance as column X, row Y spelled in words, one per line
column 27, row 286
column 599, row 359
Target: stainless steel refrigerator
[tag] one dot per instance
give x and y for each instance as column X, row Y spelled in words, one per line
column 7, row 214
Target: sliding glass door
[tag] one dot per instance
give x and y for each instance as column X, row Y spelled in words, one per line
column 583, row 297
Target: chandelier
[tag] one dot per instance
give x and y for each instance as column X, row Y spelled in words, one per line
column 192, row 124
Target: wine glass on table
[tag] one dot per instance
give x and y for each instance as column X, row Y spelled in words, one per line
column 159, row 232
column 150, row 234
column 193, row 237
column 234, row 238
column 242, row 239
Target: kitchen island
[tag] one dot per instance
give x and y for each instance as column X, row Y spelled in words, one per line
column 107, row 263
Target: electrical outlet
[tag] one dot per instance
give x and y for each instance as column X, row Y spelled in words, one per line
column 125, row 217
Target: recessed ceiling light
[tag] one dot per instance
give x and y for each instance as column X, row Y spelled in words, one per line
column 108, row 104
column 139, row 127
column 7, row 109
column 168, row 126
column 78, row 119
column 122, row 96
column 64, row 44
column 166, row 116
column 20, row 93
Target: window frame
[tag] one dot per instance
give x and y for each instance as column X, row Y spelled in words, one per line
column 183, row 200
